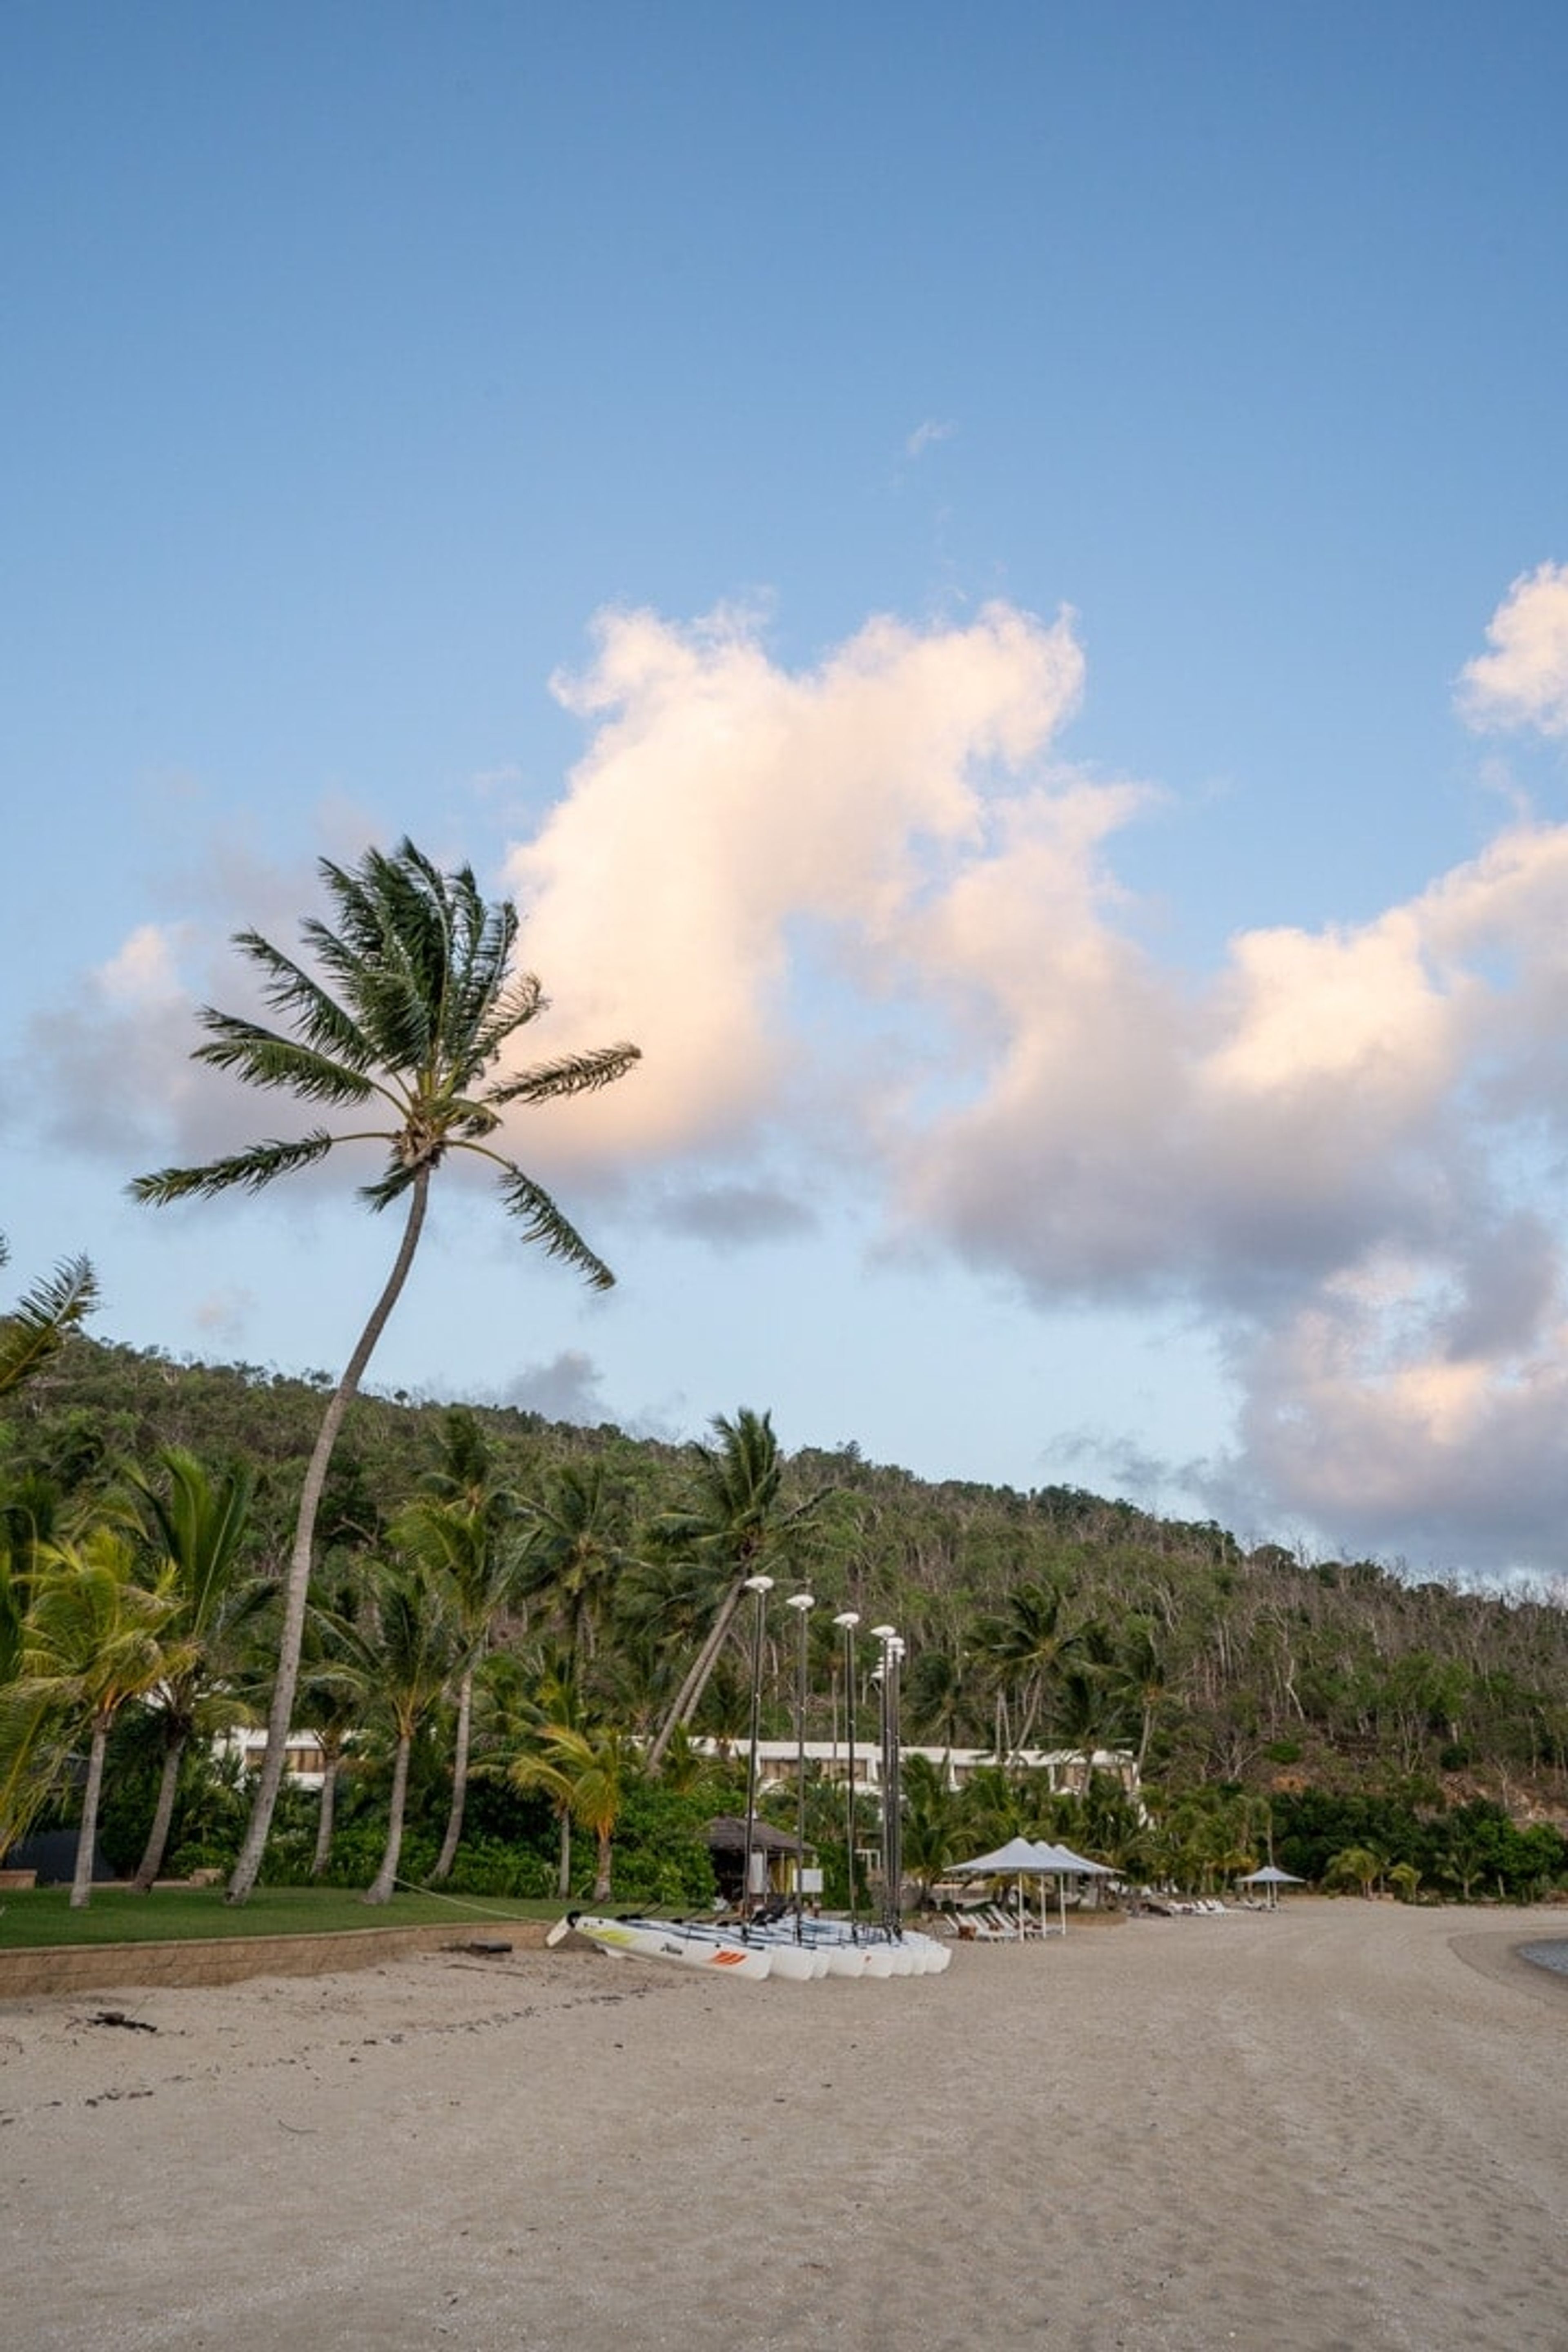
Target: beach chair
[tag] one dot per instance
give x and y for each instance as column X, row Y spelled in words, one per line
column 990, row 1927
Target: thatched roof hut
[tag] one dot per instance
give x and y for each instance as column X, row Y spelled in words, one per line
column 727, row 1844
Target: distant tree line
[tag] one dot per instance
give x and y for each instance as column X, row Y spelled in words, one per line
column 506, row 1612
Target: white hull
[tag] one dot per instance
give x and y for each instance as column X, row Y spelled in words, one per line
column 681, row 1946
column 825, row 1949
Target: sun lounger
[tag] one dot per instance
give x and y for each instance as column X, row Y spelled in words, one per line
column 990, row 1927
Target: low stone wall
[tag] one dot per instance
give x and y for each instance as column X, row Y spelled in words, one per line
column 228, row 1959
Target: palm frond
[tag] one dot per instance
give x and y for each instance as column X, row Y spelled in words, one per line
column 262, row 1058
column 481, row 987
column 574, row 1073
column 470, row 1121
column 390, row 1187
column 321, row 1020
column 38, row 1326
column 517, row 1001
column 543, row 1223
column 260, row 1165
column 389, row 952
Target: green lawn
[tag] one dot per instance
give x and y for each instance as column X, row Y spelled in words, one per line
column 180, row 1913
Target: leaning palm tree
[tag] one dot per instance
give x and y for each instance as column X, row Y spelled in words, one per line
column 738, row 1524
column 416, row 1002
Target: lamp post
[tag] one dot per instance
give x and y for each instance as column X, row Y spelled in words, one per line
column 846, row 1620
column 803, row 1604
column 892, row 1843
column 760, row 1586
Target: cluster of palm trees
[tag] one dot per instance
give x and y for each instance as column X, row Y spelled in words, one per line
column 476, row 1621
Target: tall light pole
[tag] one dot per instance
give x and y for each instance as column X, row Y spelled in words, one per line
column 846, row 1620
column 803, row 1604
column 761, row 1586
column 893, row 1844
column 896, row 1791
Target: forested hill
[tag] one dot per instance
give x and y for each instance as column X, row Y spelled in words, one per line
column 1049, row 1618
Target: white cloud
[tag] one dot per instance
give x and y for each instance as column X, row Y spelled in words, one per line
column 926, row 435
column 728, row 811
column 1524, row 681
column 865, row 910
column 144, row 970
column 1359, row 1413
column 862, row 919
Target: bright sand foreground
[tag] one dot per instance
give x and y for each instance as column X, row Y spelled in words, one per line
column 1345, row 2125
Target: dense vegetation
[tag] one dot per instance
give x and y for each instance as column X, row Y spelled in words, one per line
column 531, row 1596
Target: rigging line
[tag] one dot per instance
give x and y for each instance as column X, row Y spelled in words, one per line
column 462, row 1902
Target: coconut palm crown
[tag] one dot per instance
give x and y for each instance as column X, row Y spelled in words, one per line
column 415, row 1003
column 427, row 1000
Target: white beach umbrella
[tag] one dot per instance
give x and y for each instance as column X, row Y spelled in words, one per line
column 1018, row 1859
column 1071, row 1864
column 1273, row 1878
column 1018, row 1853
column 1063, row 1864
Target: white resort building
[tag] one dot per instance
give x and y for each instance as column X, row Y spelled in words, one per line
column 1068, row 1769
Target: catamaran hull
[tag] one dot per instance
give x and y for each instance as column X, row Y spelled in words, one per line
column 649, row 1939
column 821, row 1952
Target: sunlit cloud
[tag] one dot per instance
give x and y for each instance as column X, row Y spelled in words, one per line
column 865, row 922
column 146, row 970
column 1523, row 680
column 730, row 817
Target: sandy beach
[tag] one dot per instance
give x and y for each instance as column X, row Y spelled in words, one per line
column 1345, row 2125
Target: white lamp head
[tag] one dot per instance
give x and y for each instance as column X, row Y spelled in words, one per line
column 758, row 1584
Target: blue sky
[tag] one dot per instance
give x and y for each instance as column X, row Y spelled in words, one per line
column 996, row 586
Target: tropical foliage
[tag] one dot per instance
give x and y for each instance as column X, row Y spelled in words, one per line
column 505, row 1615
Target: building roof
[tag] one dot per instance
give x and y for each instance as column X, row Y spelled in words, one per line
column 727, row 1834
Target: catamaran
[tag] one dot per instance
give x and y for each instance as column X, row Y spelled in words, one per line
column 785, row 1941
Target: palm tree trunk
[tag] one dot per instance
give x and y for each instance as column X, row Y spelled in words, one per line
column 327, row 1816
column 87, row 1838
column 449, row 1853
column 1145, row 1733
column 691, row 1692
column 381, row 1886
column 601, row 1875
column 152, row 1861
column 280, row 1716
